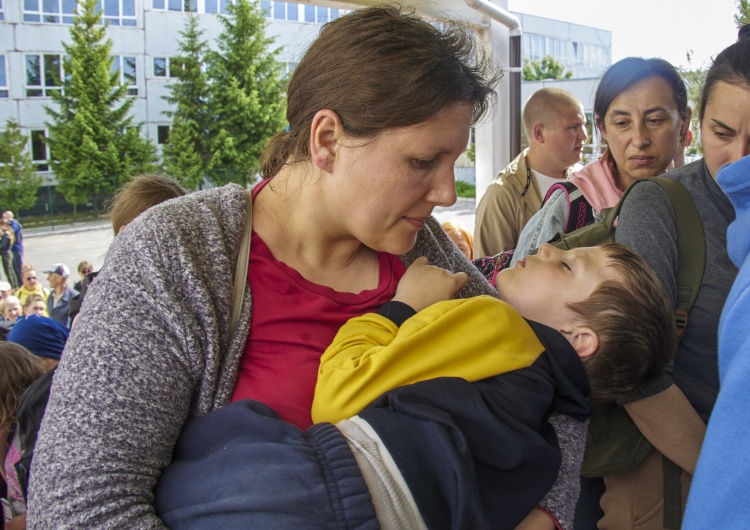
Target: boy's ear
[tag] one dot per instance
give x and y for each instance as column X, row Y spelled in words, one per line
column 584, row 340
column 325, row 131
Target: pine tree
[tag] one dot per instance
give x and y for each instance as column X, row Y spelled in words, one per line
column 94, row 145
column 19, row 182
column 248, row 94
column 187, row 153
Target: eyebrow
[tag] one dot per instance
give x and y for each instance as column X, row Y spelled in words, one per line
column 724, row 125
column 616, row 112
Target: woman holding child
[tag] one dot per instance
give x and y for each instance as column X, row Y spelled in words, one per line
column 344, row 208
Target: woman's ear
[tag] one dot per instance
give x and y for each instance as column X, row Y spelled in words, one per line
column 325, row 133
column 584, row 340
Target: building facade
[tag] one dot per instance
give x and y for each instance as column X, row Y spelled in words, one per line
column 145, row 36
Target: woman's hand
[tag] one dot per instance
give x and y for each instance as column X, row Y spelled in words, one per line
column 423, row 285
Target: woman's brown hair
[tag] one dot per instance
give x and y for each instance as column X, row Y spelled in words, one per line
column 380, row 68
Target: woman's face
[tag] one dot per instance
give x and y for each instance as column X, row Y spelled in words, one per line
column 725, row 129
column 643, row 129
column 382, row 191
column 34, row 308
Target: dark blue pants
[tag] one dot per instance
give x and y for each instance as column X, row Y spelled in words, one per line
column 240, row 467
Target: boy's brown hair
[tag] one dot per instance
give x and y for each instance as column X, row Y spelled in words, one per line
column 18, row 369
column 139, row 195
column 635, row 323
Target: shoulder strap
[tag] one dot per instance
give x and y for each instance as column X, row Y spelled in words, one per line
column 691, row 248
column 243, row 261
column 580, row 212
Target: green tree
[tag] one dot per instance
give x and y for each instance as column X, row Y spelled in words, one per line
column 694, row 78
column 19, row 182
column 549, row 68
column 95, row 146
column 743, row 17
column 188, row 151
column 248, row 94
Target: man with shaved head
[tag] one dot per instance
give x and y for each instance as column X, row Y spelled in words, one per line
column 555, row 126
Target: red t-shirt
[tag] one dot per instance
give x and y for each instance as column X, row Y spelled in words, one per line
column 293, row 322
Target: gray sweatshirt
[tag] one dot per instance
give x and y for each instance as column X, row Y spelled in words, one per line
column 646, row 224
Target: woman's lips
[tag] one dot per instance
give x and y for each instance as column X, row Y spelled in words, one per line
column 417, row 222
column 642, row 160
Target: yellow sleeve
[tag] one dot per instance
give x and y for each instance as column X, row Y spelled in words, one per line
column 472, row 338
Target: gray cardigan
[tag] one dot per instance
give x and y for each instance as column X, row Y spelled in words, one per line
column 152, row 347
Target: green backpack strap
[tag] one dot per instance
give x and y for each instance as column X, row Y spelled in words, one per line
column 691, row 243
column 691, row 248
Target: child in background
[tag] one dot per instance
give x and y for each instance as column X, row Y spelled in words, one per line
column 460, row 236
column 34, row 305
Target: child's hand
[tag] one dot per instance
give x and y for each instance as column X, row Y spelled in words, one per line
column 424, row 285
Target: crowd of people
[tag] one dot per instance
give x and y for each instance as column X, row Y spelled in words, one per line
column 319, row 352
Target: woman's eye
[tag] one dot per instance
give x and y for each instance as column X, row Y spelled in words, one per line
column 422, row 163
column 724, row 135
column 566, row 266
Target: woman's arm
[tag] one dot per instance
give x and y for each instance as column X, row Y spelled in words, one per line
column 144, row 354
column 669, row 421
column 664, row 415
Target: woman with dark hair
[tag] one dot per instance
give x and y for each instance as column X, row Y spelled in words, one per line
column 641, row 112
column 379, row 109
column 672, row 414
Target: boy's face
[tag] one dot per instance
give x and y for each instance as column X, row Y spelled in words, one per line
column 540, row 287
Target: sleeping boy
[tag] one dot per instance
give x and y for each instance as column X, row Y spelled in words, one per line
column 436, row 412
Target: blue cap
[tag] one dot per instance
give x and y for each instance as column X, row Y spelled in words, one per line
column 42, row 336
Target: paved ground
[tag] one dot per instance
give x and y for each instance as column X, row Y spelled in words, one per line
column 71, row 244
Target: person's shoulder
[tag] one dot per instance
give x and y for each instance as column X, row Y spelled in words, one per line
column 207, row 210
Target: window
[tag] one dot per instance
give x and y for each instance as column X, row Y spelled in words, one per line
column 39, row 150
column 49, row 11
column 162, row 134
column 321, row 15
column 125, row 65
column 43, row 75
column 3, row 78
column 118, row 12
column 217, row 6
column 280, row 10
column 176, row 5
column 166, row 67
column 2, row 11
